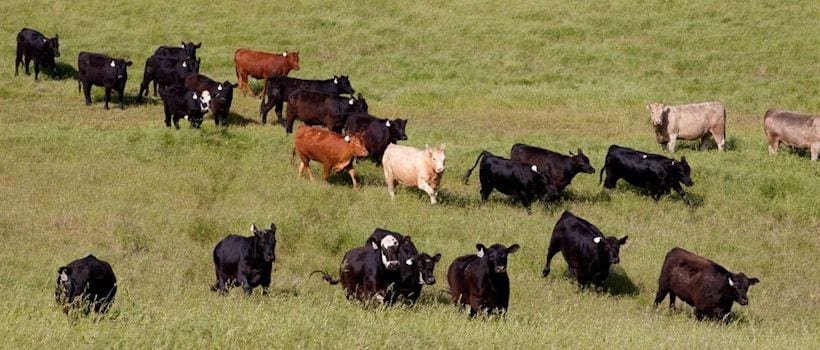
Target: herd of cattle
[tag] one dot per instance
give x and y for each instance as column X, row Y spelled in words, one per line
column 389, row 267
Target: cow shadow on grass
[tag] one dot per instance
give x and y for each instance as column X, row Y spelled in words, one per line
column 695, row 200
column 235, row 119
column 619, row 284
column 64, row 71
column 696, row 145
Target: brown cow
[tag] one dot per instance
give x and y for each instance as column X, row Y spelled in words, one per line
column 329, row 148
column 688, row 122
column 261, row 65
column 793, row 129
column 414, row 167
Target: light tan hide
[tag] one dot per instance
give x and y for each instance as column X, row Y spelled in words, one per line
column 793, row 129
column 414, row 167
column 688, row 122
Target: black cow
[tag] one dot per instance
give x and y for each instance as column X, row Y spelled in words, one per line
column 245, row 261
column 180, row 102
column 415, row 269
column 86, row 283
column 33, row 45
column 654, row 172
column 367, row 272
column 278, row 88
column 560, row 168
column 588, row 253
column 101, row 70
column 166, row 71
column 221, row 94
column 188, row 50
column 377, row 133
column 315, row 108
column 480, row 280
column 523, row 181
column 702, row 283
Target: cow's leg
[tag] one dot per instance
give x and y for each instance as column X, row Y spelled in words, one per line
column 122, row 98
column 774, row 143
column 424, row 186
column 17, row 61
column 220, row 281
column 278, row 110
column 554, row 248
column 815, row 151
column 526, row 201
column 671, row 300
column 671, row 145
column 36, row 69
column 26, row 62
column 144, row 87
column 682, row 194
column 352, row 173
column 390, row 181
column 264, row 108
column 107, row 96
column 610, row 180
column 719, row 135
column 87, row 92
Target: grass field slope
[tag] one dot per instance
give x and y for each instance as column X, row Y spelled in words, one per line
column 473, row 75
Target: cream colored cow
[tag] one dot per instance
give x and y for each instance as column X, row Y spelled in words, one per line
column 688, row 122
column 414, row 167
column 796, row 130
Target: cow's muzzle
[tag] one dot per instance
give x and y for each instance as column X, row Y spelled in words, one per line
column 743, row 301
column 270, row 258
column 614, row 260
column 500, row 269
column 392, row 265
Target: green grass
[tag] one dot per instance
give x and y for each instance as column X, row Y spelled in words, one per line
column 473, row 75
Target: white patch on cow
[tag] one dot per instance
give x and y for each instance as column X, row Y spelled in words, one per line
column 673, row 162
column 731, row 284
column 597, row 240
column 350, row 102
column 347, row 138
column 335, row 81
column 385, row 261
column 63, row 276
column 113, row 64
column 380, row 298
column 285, row 54
column 44, row 40
column 206, row 96
column 387, row 124
column 534, row 168
column 480, row 253
column 185, row 117
column 421, row 278
column 195, row 97
column 644, row 156
column 409, row 262
column 219, row 87
column 183, row 46
column 389, row 241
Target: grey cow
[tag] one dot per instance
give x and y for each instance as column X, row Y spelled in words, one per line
column 794, row 129
column 688, row 122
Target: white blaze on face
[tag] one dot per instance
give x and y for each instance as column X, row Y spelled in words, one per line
column 205, row 101
column 388, row 242
column 597, row 240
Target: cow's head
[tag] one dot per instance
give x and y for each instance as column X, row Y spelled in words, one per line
column 739, row 284
column 495, row 256
column 357, row 143
column 343, row 84
column 265, row 242
column 425, row 265
column 189, row 65
column 190, row 49
column 388, row 248
column 581, row 162
column 682, row 171
column 396, row 128
column 292, row 58
column 357, row 104
column 436, row 155
column 54, row 45
column 610, row 247
column 223, row 93
column 119, row 68
column 657, row 112
column 66, row 289
column 200, row 103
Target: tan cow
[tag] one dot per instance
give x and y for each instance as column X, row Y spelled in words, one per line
column 414, row 167
column 793, row 129
column 329, row 148
column 688, row 122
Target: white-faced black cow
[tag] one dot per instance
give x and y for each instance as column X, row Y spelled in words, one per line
column 702, row 283
column 588, row 253
column 245, row 261
column 314, row 108
column 180, row 102
column 33, row 45
column 521, row 180
column 101, row 70
column 367, row 272
column 188, row 50
column 654, row 172
column 166, row 71
column 415, row 269
column 221, row 94
column 87, row 283
column 560, row 168
column 481, row 281
column 377, row 133
column 279, row 87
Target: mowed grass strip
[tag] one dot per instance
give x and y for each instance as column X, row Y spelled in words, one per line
column 474, row 76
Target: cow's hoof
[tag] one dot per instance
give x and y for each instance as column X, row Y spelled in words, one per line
column 545, row 273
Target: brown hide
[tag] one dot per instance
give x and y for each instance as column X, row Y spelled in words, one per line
column 261, row 65
column 329, row 148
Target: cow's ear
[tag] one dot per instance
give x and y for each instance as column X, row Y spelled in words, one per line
column 373, row 243
column 253, row 228
column 273, row 227
column 753, row 281
column 580, row 152
column 234, row 85
column 648, row 107
column 437, row 257
column 64, row 272
column 570, row 153
column 480, row 248
column 198, row 45
column 128, row 63
column 622, row 241
column 406, row 239
column 683, row 159
column 513, row 248
column 666, row 110
column 442, row 147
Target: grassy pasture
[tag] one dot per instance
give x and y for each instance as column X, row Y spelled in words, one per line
column 153, row 202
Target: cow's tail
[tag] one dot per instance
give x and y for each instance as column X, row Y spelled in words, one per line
column 601, row 173
column 470, row 172
column 325, row 276
column 292, row 156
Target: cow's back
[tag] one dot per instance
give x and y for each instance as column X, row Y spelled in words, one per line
column 687, row 273
column 406, row 164
column 692, row 121
column 792, row 128
column 457, row 277
column 577, row 245
column 317, row 144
